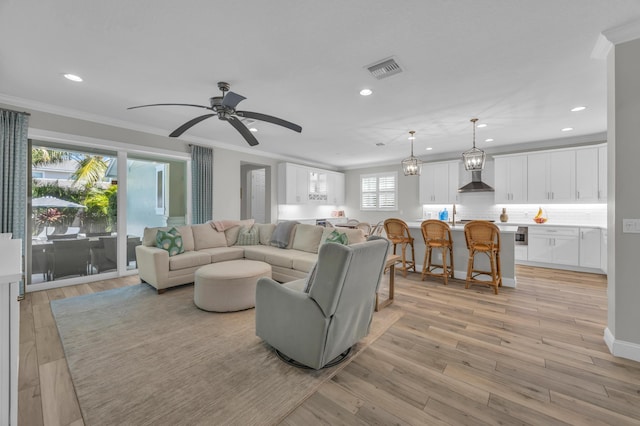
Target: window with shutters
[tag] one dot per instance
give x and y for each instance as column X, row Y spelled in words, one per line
column 379, row 191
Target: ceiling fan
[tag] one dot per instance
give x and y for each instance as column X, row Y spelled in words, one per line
column 225, row 108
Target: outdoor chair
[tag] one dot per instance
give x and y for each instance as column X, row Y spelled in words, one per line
column 70, row 257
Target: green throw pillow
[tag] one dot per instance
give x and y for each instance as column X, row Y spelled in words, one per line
column 248, row 236
column 170, row 241
column 337, row 237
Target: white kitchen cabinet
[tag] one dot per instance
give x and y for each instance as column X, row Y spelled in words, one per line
column 511, row 179
column 307, row 185
column 590, row 247
column 336, row 186
column 293, row 184
column 554, row 245
column 587, row 175
column 602, row 174
column 551, row 176
column 439, row 183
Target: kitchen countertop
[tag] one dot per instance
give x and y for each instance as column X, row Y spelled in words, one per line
column 571, row 225
column 504, row 227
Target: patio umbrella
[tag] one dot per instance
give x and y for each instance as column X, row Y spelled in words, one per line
column 55, row 202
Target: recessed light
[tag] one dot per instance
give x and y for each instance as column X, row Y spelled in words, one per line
column 73, row 77
column 429, row 149
column 481, row 125
column 567, row 129
column 253, row 129
column 366, row 92
column 488, row 140
column 578, row 108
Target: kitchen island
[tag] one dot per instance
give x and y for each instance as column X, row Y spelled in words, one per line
column 461, row 254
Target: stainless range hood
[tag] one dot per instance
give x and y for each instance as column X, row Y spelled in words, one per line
column 476, row 184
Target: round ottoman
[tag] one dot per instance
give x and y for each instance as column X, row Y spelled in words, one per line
column 228, row 286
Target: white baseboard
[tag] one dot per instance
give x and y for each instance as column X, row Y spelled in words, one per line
column 620, row 348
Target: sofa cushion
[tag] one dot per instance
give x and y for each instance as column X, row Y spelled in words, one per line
column 205, row 236
column 187, row 237
column 171, row 241
column 265, row 230
column 283, row 234
column 307, row 238
column 248, row 236
column 304, row 261
column 259, row 252
column 231, row 234
column 284, row 258
column 149, row 235
column 188, row 259
column 222, row 254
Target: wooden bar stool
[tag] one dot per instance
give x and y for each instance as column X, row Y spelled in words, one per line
column 437, row 235
column 483, row 237
column 398, row 233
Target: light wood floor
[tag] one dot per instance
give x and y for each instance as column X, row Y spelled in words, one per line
column 531, row 355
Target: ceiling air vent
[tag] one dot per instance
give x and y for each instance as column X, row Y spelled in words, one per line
column 384, row 69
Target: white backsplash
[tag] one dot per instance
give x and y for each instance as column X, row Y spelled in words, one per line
column 481, row 206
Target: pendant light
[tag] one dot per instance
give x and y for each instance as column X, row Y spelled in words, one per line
column 473, row 159
column 412, row 166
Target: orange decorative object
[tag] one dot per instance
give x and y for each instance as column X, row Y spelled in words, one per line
column 540, row 219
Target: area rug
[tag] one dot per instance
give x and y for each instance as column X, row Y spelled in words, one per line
column 139, row 358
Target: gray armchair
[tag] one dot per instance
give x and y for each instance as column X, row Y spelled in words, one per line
column 317, row 327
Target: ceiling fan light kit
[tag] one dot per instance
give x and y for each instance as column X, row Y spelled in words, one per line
column 225, row 108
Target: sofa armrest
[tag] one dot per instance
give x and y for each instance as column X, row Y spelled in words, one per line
column 153, row 264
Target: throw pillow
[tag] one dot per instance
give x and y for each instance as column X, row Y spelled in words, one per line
column 337, row 237
column 248, row 236
column 170, row 241
column 282, row 234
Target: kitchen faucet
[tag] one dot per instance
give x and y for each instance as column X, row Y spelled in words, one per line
column 453, row 215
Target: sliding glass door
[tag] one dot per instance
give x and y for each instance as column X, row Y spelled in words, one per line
column 84, row 228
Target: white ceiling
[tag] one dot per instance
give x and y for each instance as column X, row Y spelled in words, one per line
column 518, row 65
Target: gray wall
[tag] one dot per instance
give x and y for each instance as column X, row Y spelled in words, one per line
column 624, row 199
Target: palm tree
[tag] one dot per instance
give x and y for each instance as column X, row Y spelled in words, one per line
column 90, row 170
column 43, row 156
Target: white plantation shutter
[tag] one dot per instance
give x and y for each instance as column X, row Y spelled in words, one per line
column 379, row 191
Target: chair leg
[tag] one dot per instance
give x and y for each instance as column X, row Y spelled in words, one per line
column 404, row 260
column 445, row 273
column 413, row 258
column 494, row 276
column 426, row 262
column 469, row 268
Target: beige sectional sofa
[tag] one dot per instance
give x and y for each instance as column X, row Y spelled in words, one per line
column 203, row 245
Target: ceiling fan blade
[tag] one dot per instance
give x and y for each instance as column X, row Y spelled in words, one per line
column 270, row 119
column 189, row 105
column 232, row 99
column 246, row 133
column 186, row 126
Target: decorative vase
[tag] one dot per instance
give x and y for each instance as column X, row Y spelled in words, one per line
column 504, row 217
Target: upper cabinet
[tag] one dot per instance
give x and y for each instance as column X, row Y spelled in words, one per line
column 439, row 182
column 602, row 174
column 511, row 179
column 587, row 175
column 559, row 176
column 306, row 185
column 551, row 177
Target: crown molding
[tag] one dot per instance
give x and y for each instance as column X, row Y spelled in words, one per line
column 613, row 36
column 94, row 118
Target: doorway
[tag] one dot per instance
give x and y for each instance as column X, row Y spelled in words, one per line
column 255, row 199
